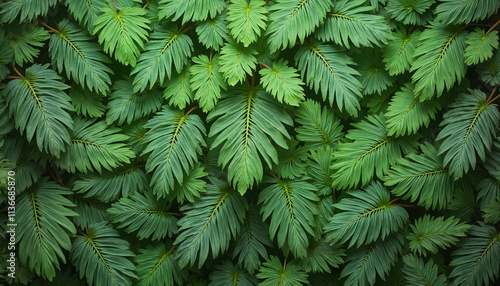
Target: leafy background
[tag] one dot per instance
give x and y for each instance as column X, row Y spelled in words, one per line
column 287, row 142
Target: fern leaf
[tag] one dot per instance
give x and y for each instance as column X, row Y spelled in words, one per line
column 94, row 145
column 406, row 113
column 251, row 243
column 190, row 10
column 290, row 205
column 429, row 234
column 145, row 215
column 103, row 257
column 365, row 263
column 209, row 224
column 319, row 169
column 489, row 190
column 44, row 228
column 229, row 274
column 207, row 80
column 321, row 255
column 237, row 61
column 470, row 126
column 156, row 266
column 274, row 273
column 27, row 10
column 367, row 216
column 248, row 122
column 439, row 60
column 27, row 174
column 465, row 11
column 422, row 177
column 417, row 273
column 89, row 211
column 492, row 211
column 25, row 41
column 40, row 108
column 480, row 46
column 192, row 186
column 477, row 258
column 125, row 105
column 213, row 32
column 166, row 49
column 327, row 68
column 370, row 153
column 174, row 140
column 373, row 77
column 292, row 162
column 86, row 103
column 86, row 12
column 410, row 12
column 292, row 19
column 283, row 83
column 489, row 71
column 246, row 20
column 71, row 49
column 399, row 51
column 351, row 21
column 178, row 90
column 123, row 33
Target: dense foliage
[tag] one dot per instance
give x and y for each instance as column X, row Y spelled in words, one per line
column 245, row 142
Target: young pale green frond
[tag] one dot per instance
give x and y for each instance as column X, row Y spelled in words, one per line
column 429, row 234
column 102, row 257
column 94, row 145
column 168, row 48
column 492, row 211
column 283, row 83
column 292, row 19
column 274, row 273
column 480, row 46
column 207, row 80
column 470, row 126
column 237, row 61
column 251, row 243
column 125, row 105
column 350, row 21
column 291, row 205
column 321, row 256
column 25, row 42
column 320, row 128
column 417, row 273
column 89, row 211
column 366, row 217
column 229, row 274
column 248, row 122
column 399, row 51
column 489, row 71
column 110, row 185
column 422, row 177
column 123, row 33
column 40, row 108
column 72, row 50
column 246, row 19
column 86, row 103
column 190, row 10
column 178, row 90
column 86, row 12
column 292, row 162
column 209, row 224
column 26, row 10
column 319, row 169
column 157, row 266
column 439, row 60
column 373, row 77
column 477, row 258
column 213, row 32
column 145, row 215
column 410, row 12
column 327, row 68
column 368, row 261
column 370, row 153
column 44, row 228
column 174, row 140
column 406, row 113
column 465, row 11
column 27, row 174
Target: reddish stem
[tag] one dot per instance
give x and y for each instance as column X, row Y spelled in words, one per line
column 492, row 27
column 51, row 30
column 253, row 78
column 146, row 5
column 114, row 5
column 496, row 97
column 406, row 206
column 211, row 52
column 194, row 108
column 395, row 200
column 273, row 175
column 187, row 29
column 492, row 93
column 13, row 76
column 266, row 66
column 16, row 71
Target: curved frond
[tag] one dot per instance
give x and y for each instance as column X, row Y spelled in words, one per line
column 229, row 274
column 40, row 108
column 89, row 211
column 292, row 162
column 190, row 10
column 43, row 227
column 291, row 206
column 102, row 257
column 86, row 103
column 492, row 211
column 283, row 83
column 178, row 90
column 236, row 61
column 470, row 126
column 86, row 12
column 373, row 77
column 27, row 174
column 488, row 190
column 191, row 187
column 327, row 68
column 399, row 51
column 489, row 71
column 209, row 224
column 319, row 168
column 157, row 266
column 174, row 140
column 480, row 46
column 246, row 19
column 417, row 273
column 274, row 273
column 207, row 81
column 213, row 32
column 248, row 122
column 321, row 256
column 25, row 41
column 465, row 11
column 410, row 12
column 26, row 10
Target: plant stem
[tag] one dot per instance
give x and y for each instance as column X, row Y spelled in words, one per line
column 395, row 200
column 144, row 7
column 492, row 93
column 194, row 108
column 284, row 265
column 114, row 5
column 16, row 71
column 51, row 30
column 492, row 27
column 273, row 175
column 13, row 76
column 266, row 66
column 211, row 52
column 406, row 206
column 253, row 78
column 187, row 29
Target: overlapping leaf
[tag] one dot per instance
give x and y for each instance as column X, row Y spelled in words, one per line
column 157, row 266
column 236, row 61
column 190, row 10
column 207, row 81
column 418, row 273
column 465, row 11
column 26, row 10
column 246, row 19
column 399, row 51
column 274, row 273
column 480, row 46
column 283, row 83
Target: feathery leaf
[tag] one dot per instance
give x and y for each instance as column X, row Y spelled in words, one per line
column 283, row 83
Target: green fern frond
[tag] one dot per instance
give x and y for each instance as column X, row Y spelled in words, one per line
column 86, row 12
column 410, row 12
column 157, row 266
column 321, row 256
column 213, row 32
column 102, row 257
column 274, row 273
column 207, row 81
column 44, row 228
column 465, row 11
column 191, row 187
column 489, row 71
column 40, row 107
column 86, row 103
column 373, row 76
column 190, row 10
column 327, row 68
column 292, row 162
column 470, row 126
column 89, row 211
column 283, row 83
column 26, row 10
column 246, row 19
column 248, row 122
column 399, row 51
column 428, row 234
column 290, row 204
column 27, row 174
column 488, row 190
column 492, row 211
column 236, row 61
column 417, row 273
column 178, row 90
column 480, row 46
column 319, row 169
column 229, row 274
column 25, row 42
